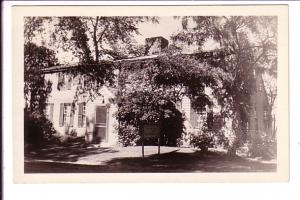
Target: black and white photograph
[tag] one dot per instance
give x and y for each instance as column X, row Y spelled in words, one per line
column 150, row 94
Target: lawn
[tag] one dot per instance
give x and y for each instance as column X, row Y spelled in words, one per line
column 89, row 159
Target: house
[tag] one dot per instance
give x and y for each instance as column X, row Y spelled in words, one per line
column 92, row 119
column 95, row 119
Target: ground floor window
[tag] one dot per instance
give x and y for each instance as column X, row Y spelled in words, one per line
column 66, row 114
column 197, row 118
column 81, row 115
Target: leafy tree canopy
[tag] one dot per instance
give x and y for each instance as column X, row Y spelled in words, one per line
column 149, row 87
column 36, row 89
column 91, row 40
column 251, row 43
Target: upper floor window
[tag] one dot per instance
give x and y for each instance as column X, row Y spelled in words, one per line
column 260, row 87
column 255, row 113
column 265, row 115
column 64, row 81
column 49, row 111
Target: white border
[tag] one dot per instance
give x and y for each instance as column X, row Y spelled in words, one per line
column 144, row 191
column 282, row 109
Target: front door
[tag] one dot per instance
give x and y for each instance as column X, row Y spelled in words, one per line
column 100, row 124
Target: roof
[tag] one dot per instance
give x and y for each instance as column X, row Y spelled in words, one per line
column 60, row 68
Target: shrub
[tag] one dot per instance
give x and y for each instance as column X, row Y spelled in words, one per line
column 207, row 138
column 128, row 135
column 38, row 130
column 263, row 146
column 202, row 141
column 172, row 129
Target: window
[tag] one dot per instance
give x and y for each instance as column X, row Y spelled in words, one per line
column 69, row 82
column 254, row 113
column 265, row 115
column 81, row 115
column 260, row 87
column 49, row 111
column 247, row 126
column 64, row 81
column 66, row 114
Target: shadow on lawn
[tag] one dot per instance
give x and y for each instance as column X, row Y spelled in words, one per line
column 168, row 162
column 191, row 162
column 67, row 153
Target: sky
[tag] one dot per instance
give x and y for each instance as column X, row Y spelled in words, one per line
column 165, row 28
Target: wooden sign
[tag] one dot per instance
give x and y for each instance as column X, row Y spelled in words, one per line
column 151, row 130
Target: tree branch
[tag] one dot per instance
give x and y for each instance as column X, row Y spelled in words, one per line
column 102, row 34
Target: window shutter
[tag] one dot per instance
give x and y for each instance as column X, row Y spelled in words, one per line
column 51, row 112
column 80, row 108
column 72, row 115
column 61, row 115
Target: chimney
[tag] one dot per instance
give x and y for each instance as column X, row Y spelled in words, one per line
column 155, row 45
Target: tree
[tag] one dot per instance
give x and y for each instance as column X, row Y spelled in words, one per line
column 149, row 90
column 37, row 129
column 142, row 100
column 36, row 88
column 99, row 35
column 250, row 44
column 92, row 41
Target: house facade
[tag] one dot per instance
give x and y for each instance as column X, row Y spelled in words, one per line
column 90, row 118
column 95, row 120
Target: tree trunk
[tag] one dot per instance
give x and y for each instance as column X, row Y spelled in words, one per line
column 237, row 128
column 96, row 41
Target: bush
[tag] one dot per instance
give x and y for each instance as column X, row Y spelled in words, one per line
column 263, row 146
column 172, row 129
column 207, row 138
column 38, row 130
column 202, row 141
column 128, row 135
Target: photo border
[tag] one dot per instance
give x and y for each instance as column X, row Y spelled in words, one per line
column 282, row 174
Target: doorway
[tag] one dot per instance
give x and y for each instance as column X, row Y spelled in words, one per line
column 101, row 124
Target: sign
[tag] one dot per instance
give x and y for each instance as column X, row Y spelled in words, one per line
column 218, row 123
column 151, row 130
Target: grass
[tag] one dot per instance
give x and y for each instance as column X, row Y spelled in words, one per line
column 78, row 158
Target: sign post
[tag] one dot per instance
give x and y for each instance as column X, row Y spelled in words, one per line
column 151, row 131
column 158, row 140
column 143, row 148
column 141, row 129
